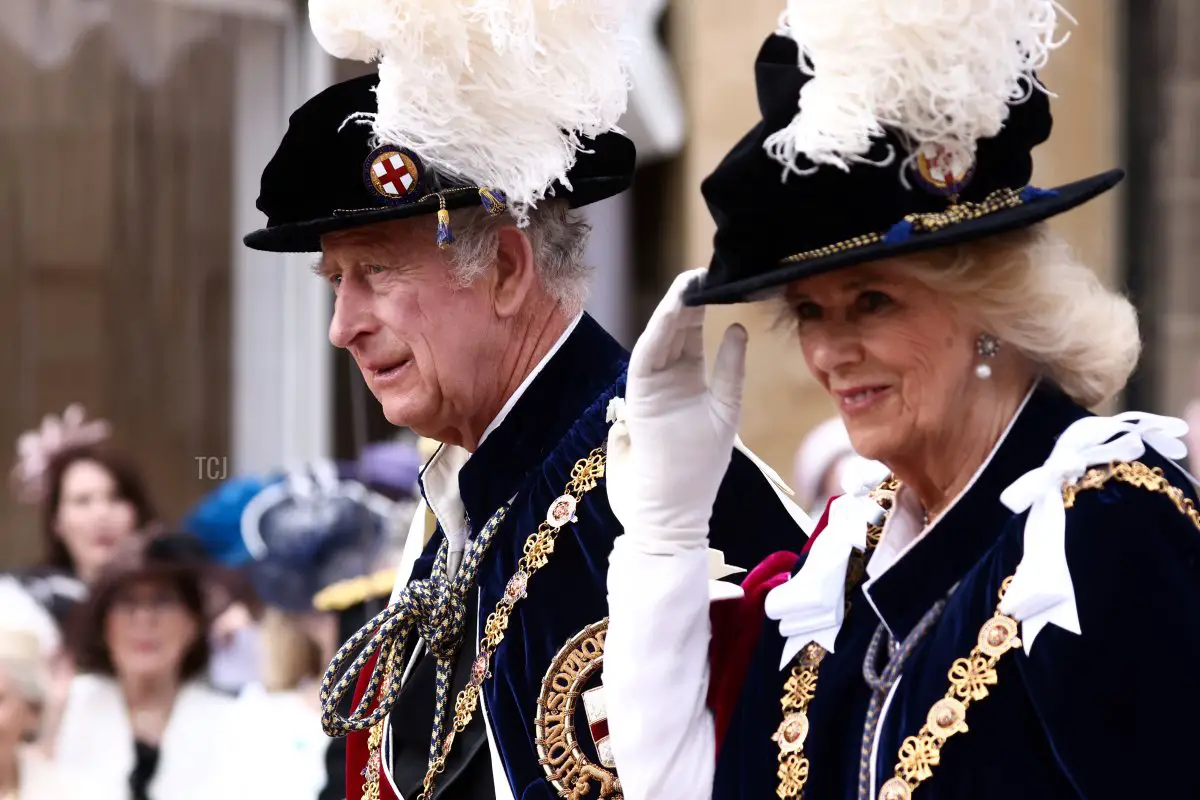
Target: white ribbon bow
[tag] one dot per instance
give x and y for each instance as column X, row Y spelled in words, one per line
column 1041, row 591
column 811, row 604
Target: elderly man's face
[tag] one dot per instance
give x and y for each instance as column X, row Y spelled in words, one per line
column 423, row 344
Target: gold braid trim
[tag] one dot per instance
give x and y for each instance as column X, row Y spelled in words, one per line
column 352, row 591
column 921, row 223
column 801, row 686
column 970, row 677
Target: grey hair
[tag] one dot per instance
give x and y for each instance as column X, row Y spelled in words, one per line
column 1031, row 291
column 557, row 235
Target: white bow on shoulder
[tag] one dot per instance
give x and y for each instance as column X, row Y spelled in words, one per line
column 1041, row 591
column 810, row 606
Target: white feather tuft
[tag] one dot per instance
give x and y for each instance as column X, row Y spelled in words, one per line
column 494, row 92
column 941, row 73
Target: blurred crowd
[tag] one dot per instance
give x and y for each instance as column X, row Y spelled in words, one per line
column 145, row 658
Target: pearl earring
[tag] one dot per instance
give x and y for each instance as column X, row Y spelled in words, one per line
column 987, row 346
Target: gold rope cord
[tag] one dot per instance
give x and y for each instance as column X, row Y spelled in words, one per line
column 539, row 546
column 970, row 677
column 801, row 685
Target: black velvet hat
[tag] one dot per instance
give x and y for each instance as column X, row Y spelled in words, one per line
column 326, row 176
column 771, row 231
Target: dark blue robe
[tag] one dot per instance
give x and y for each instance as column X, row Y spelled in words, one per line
column 559, row 419
column 1110, row 713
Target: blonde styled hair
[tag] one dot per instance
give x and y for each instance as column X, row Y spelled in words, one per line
column 289, row 654
column 1032, row 292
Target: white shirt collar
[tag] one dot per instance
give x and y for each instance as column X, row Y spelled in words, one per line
column 533, row 373
column 905, row 524
column 439, row 479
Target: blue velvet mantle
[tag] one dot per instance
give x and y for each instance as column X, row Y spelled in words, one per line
column 559, row 419
column 1111, row 713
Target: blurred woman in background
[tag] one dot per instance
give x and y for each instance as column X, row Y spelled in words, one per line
column 138, row 712
column 28, row 641
column 320, row 533
column 92, row 499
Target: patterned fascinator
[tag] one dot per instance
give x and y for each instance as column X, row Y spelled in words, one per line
column 38, row 447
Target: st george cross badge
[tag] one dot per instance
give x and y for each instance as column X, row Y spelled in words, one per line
column 597, row 716
column 393, row 174
column 942, row 171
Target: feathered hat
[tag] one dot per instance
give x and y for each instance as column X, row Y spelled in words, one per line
column 38, row 447
column 316, row 527
column 492, row 103
column 914, row 130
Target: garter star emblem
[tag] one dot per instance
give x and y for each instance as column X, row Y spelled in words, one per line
column 943, row 171
column 579, row 768
column 393, row 174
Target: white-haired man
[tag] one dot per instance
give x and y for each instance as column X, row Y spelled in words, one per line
column 476, row 337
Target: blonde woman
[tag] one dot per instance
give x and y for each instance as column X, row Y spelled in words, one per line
column 29, row 644
column 1000, row 616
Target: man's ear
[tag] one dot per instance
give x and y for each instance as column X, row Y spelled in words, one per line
column 516, row 273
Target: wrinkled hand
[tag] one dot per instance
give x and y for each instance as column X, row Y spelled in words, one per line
column 664, row 475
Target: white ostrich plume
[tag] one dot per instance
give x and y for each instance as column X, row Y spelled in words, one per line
column 940, row 73
column 498, row 93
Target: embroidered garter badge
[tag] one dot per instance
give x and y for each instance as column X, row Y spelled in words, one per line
column 393, row 174
column 941, row 171
column 578, row 768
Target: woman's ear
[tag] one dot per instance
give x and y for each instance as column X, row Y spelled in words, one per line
column 516, row 271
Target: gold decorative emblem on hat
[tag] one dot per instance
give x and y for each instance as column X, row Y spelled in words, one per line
column 943, row 171
column 394, row 174
column 568, row 768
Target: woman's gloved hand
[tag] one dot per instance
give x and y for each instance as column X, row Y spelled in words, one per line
column 673, row 439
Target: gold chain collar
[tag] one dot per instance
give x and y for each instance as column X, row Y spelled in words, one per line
column 969, row 677
column 539, row 546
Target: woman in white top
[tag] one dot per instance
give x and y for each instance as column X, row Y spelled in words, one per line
column 139, row 712
column 29, row 642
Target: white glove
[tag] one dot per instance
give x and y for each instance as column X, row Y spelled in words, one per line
column 668, row 458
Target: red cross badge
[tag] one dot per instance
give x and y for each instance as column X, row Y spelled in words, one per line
column 596, row 710
column 393, row 174
column 941, row 171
